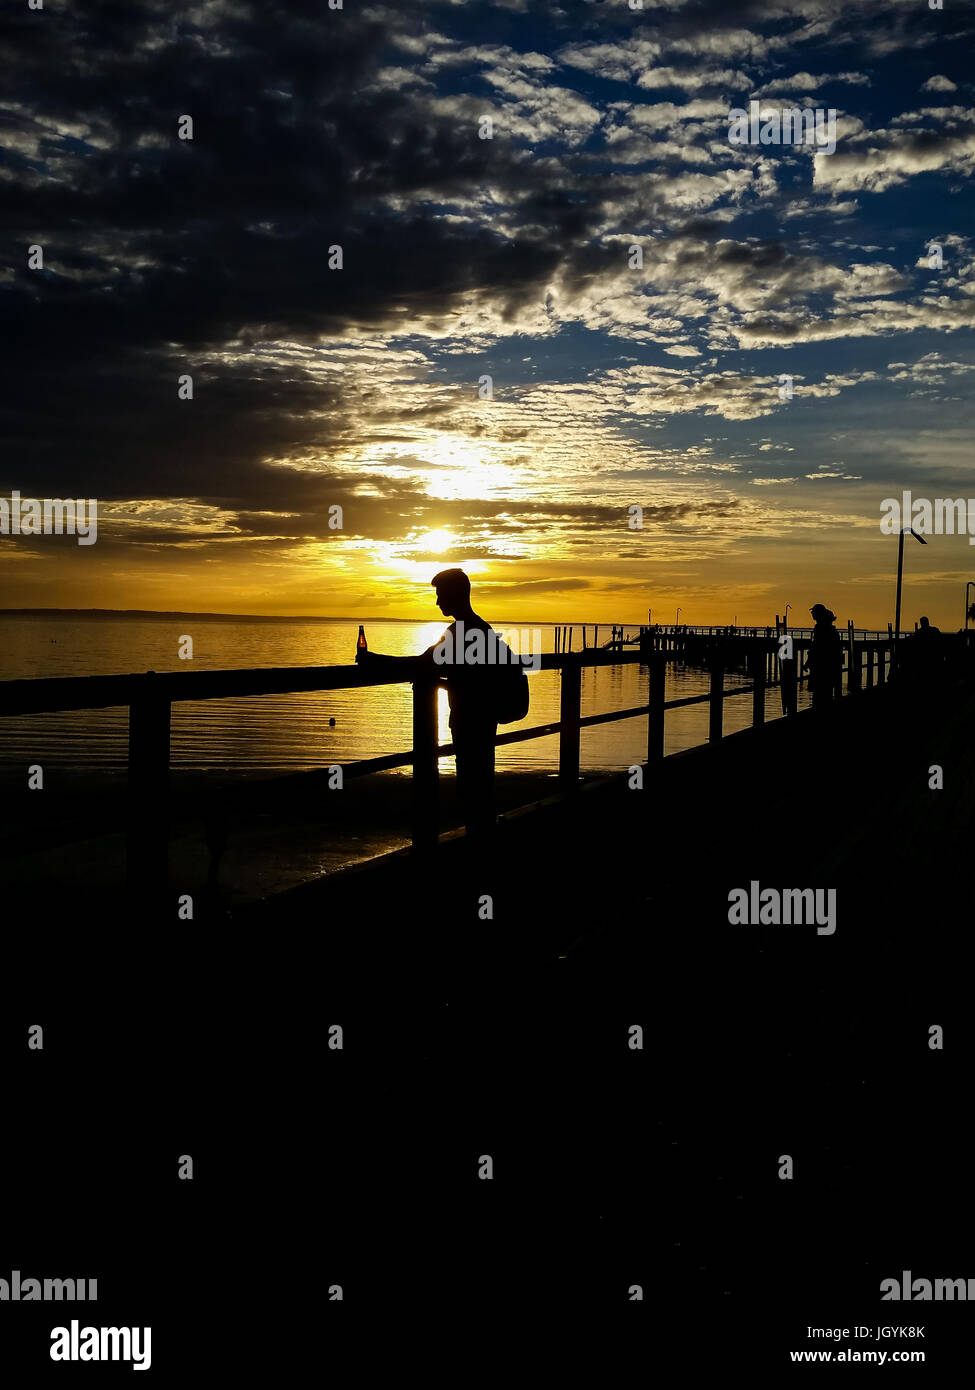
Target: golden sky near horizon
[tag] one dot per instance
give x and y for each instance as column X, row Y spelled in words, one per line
column 717, row 557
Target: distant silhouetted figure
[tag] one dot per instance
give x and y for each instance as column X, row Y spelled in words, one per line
column 477, row 675
column 924, row 650
column 824, row 661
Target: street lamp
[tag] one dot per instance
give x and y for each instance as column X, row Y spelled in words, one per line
column 677, row 623
column 787, row 607
column 900, row 579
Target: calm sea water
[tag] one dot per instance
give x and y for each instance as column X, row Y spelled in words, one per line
column 290, row 732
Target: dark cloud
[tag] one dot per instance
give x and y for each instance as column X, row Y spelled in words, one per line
column 157, row 248
column 533, row 586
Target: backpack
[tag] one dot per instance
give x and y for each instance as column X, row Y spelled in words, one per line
column 511, row 703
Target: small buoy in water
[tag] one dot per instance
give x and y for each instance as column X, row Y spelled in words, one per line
column 331, row 723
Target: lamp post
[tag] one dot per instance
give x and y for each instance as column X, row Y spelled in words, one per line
column 900, row 580
column 787, row 607
column 677, row 623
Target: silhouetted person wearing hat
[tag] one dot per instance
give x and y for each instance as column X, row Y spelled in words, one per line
column 824, row 661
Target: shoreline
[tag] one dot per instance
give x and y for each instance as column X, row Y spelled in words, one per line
column 292, row 834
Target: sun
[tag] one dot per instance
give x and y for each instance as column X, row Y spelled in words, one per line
column 437, row 541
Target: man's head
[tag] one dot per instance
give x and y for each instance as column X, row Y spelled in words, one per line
column 925, row 623
column 821, row 614
column 453, row 590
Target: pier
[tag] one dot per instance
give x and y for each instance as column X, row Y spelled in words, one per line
column 773, row 682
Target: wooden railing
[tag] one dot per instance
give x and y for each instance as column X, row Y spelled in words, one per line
column 860, row 633
column 150, row 698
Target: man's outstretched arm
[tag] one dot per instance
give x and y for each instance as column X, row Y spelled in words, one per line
column 410, row 666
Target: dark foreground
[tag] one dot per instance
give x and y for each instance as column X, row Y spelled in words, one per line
column 467, row 1037
column 659, row 1167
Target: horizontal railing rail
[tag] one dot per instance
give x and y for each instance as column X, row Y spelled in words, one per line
column 763, row 630
column 51, row 694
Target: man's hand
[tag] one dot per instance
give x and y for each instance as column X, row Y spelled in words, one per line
column 404, row 666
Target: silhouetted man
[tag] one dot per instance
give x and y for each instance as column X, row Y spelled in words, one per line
column 471, row 659
column 925, row 648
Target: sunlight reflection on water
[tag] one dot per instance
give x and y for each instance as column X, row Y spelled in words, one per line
column 291, row 732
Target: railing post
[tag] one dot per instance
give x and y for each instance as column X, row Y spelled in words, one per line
column 426, row 769
column 570, row 701
column 881, row 663
column 789, row 675
column 854, row 680
column 147, row 831
column 656, row 700
column 758, row 692
column 716, row 707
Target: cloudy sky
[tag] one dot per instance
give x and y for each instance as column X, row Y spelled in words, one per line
column 509, row 257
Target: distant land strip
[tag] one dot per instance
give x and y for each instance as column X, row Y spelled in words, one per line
column 210, row 617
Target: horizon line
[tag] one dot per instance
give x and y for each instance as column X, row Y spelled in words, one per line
column 290, row 617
